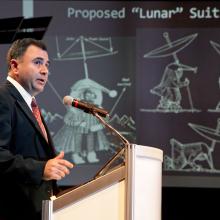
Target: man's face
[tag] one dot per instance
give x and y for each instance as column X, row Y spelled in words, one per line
column 32, row 70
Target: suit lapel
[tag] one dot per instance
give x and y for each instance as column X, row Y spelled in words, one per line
column 24, row 107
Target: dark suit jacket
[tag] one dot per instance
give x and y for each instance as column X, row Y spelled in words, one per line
column 23, row 155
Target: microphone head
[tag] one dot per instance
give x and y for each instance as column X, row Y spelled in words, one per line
column 67, row 100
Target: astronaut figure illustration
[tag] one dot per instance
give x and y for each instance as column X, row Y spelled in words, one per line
column 170, row 86
column 82, row 134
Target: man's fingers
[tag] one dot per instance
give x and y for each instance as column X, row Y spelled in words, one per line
column 56, row 174
column 65, row 163
column 57, row 168
column 63, row 169
column 60, row 155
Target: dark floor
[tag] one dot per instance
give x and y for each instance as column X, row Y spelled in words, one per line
column 190, row 203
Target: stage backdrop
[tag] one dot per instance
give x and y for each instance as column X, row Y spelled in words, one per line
column 153, row 65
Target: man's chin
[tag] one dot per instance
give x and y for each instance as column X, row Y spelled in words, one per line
column 38, row 90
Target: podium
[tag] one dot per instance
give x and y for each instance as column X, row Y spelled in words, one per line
column 130, row 191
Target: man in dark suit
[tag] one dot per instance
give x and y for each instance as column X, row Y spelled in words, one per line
column 29, row 166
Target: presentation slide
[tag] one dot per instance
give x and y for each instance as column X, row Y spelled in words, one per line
column 153, row 65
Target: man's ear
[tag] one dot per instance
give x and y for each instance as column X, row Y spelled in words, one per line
column 14, row 64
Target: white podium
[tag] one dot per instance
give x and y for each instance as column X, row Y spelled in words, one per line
column 131, row 191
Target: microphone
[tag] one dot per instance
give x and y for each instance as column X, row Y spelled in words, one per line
column 85, row 106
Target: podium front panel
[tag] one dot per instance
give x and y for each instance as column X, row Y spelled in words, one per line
column 107, row 203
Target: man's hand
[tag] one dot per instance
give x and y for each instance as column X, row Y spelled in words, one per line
column 57, row 168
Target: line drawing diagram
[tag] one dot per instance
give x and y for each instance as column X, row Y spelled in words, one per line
column 81, row 135
column 172, row 82
column 83, row 48
column 194, row 156
column 216, row 47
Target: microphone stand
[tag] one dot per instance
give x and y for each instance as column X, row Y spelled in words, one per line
column 121, row 152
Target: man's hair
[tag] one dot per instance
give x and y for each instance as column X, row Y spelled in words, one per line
column 19, row 47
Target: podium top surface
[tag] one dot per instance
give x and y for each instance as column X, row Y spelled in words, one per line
column 153, row 152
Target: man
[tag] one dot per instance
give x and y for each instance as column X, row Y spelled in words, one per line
column 29, row 167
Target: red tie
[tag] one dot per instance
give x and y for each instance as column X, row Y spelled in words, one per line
column 37, row 115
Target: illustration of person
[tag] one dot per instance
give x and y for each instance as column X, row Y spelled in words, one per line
column 169, row 87
column 82, row 134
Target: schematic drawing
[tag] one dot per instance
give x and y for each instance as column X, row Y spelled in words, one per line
column 172, row 82
column 195, row 156
column 82, row 136
column 216, row 47
column 83, row 48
